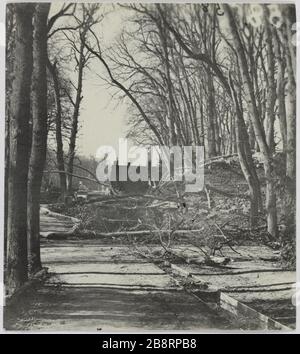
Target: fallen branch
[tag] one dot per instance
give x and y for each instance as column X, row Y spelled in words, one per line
column 126, row 233
column 128, row 197
column 77, row 176
column 227, row 240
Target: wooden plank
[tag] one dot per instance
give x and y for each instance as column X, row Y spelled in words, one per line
column 230, row 304
column 241, row 310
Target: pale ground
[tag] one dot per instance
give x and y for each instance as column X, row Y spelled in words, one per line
column 98, row 287
column 253, row 277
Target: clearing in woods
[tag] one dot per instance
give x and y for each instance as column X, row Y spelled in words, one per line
column 137, row 277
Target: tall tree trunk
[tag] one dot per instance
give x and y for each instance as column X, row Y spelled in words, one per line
column 271, row 84
column 169, row 87
column 188, row 100
column 211, row 131
column 279, row 55
column 39, row 134
column 290, row 19
column 245, row 158
column 257, row 124
column 290, row 201
column 58, row 132
column 10, row 47
column 201, row 137
column 6, row 176
column 19, row 150
column 233, row 135
column 74, row 127
column 251, row 135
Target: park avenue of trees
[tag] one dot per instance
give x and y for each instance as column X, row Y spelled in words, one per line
column 221, row 76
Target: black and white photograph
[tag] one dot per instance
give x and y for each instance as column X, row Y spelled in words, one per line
column 149, row 167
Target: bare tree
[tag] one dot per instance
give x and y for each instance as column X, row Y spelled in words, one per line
column 81, row 61
column 81, row 56
column 257, row 124
column 10, row 47
column 290, row 50
column 58, row 128
column 279, row 51
column 245, row 158
column 19, row 149
column 39, row 134
column 246, row 161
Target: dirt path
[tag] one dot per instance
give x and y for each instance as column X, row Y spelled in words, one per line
column 95, row 286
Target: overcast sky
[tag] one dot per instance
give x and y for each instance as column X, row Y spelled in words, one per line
column 102, row 119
